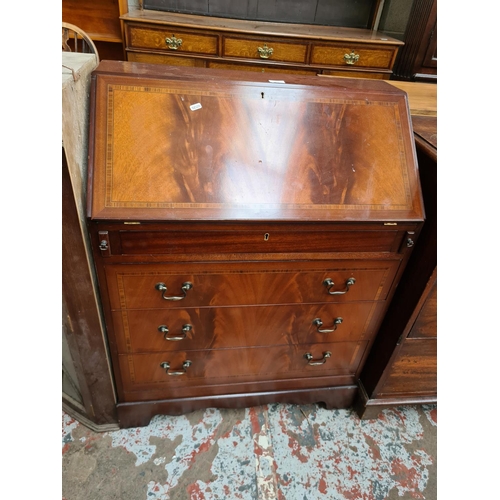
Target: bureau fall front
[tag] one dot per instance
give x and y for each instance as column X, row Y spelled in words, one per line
column 248, row 231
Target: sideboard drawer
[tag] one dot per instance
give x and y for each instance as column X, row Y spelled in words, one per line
column 225, row 366
column 212, row 284
column 171, row 39
column 171, row 60
column 226, row 327
column 266, row 49
column 260, row 68
column 352, row 56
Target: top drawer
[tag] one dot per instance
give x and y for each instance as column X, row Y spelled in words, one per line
column 171, row 40
column 267, row 239
column 265, row 48
column 353, row 55
column 210, row 284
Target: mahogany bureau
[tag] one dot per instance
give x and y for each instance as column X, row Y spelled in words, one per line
column 248, row 232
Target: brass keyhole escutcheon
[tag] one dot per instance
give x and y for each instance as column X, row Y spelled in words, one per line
column 266, row 237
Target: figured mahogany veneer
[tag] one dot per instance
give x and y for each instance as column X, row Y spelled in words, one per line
column 248, row 235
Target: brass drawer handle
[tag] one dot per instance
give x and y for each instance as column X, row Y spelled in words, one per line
column 265, row 52
column 330, row 284
column 164, row 329
column 173, row 43
column 318, row 323
column 185, row 287
column 322, row 361
column 351, row 58
column 185, row 366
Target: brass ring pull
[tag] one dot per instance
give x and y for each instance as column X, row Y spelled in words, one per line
column 164, row 329
column 265, row 52
column 318, row 323
column 351, row 58
column 185, row 287
column 322, row 361
column 173, row 43
column 330, row 284
column 185, row 366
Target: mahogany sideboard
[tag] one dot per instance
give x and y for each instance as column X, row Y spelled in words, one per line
column 248, row 233
column 223, row 43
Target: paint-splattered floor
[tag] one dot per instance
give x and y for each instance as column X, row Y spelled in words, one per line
column 268, row 452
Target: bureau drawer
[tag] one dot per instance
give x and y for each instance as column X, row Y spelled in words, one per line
column 211, row 284
column 352, row 56
column 226, row 366
column 265, row 49
column 226, row 327
column 171, row 39
column 254, row 241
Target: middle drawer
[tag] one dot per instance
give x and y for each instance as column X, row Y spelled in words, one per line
column 140, row 331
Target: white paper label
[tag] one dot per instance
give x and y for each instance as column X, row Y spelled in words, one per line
column 194, row 107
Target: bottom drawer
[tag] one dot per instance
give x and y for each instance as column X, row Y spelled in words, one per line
column 224, row 366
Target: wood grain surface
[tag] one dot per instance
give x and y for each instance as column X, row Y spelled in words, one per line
column 252, row 151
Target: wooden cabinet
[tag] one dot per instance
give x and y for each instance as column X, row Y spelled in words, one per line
column 202, row 41
column 402, row 366
column 100, row 19
column 248, row 234
column 417, row 61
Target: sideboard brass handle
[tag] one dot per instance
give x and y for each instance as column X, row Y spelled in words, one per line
column 322, row 361
column 185, row 366
column 318, row 323
column 185, row 287
column 330, row 284
column 164, row 329
column 351, row 58
column 265, row 52
column 173, row 43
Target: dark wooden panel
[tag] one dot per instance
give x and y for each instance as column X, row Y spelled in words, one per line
column 426, row 323
column 215, row 328
column 83, row 328
column 414, row 370
column 134, row 287
column 417, row 60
